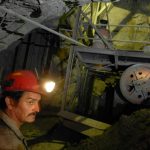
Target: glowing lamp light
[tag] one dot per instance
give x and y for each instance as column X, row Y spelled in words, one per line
column 49, row 86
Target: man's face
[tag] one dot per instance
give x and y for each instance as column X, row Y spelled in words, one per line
column 27, row 107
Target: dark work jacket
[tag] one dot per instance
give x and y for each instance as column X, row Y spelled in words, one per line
column 10, row 136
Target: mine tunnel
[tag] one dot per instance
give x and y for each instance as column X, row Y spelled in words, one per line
column 91, row 60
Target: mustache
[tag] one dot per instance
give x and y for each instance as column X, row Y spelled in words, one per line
column 32, row 114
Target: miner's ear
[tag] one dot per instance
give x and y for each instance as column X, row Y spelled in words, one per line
column 9, row 102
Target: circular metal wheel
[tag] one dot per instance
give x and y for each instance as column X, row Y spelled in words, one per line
column 135, row 83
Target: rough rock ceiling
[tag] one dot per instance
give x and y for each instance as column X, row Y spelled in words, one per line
column 43, row 11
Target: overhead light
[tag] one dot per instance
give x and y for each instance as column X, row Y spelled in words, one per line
column 49, row 86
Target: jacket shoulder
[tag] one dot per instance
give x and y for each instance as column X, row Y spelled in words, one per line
column 8, row 139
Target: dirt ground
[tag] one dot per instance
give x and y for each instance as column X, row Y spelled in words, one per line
column 129, row 133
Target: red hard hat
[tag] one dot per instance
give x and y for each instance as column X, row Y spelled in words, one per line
column 22, row 80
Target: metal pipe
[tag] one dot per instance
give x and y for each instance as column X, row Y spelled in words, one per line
column 70, row 61
column 40, row 25
column 115, row 40
column 131, row 41
column 123, row 25
column 108, row 20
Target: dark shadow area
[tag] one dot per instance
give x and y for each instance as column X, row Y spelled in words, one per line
column 59, row 133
